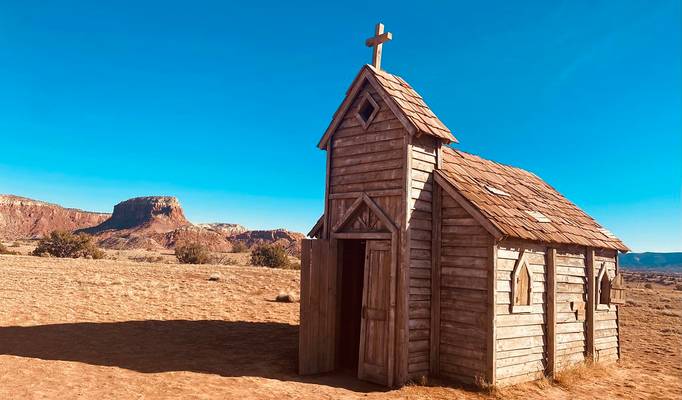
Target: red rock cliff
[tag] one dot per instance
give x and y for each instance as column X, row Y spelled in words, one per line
column 23, row 218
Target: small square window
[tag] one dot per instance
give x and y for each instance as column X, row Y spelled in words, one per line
column 367, row 110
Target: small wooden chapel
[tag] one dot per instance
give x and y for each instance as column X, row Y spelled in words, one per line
column 429, row 261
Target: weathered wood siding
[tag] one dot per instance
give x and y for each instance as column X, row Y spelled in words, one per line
column 571, row 295
column 464, row 267
column 423, row 161
column 521, row 340
column 368, row 160
column 606, row 334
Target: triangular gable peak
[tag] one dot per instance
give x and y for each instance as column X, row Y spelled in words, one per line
column 364, row 215
column 402, row 101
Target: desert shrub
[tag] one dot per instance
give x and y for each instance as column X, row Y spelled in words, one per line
column 678, row 287
column 149, row 259
column 192, row 253
column 269, row 255
column 239, row 247
column 68, row 245
column 5, row 250
column 296, row 265
column 648, row 286
column 15, row 244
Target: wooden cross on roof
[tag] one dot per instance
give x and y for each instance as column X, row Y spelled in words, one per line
column 377, row 42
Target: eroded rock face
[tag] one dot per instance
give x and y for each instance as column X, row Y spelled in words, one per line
column 155, row 213
column 213, row 240
column 291, row 241
column 154, row 222
column 224, row 228
column 24, row 218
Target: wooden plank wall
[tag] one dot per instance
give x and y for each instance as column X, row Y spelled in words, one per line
column 369, row 161
column 317, row 308
column 571, row 293
column 521, row 341
column 423, row 161
column 606, row 338
column 464, row 262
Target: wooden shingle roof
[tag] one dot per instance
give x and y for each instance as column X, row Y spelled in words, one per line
column 519, row 204
column 412, row 105
column 403, row 100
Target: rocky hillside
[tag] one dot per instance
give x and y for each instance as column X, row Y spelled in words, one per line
column 22, row 218
column 291, row 241
column 153, row 222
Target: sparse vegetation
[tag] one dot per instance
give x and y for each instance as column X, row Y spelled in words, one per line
column 149, row 259
column 222, row 259
column 192, row 253
column 5, row 250
column 268, row 255
column 296, row 265
column 65, row 244
column 239, row 247
column 648, row 286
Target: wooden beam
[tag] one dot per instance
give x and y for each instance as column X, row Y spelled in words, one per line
column 318, row 228
column 326, row 216
column 462, row 201
column 491, row 324
column 618, row 331
column 362, row 235
column 371, row 193
column 589, row 334
column 403, row 281
column 434, row 358
column 551, row 312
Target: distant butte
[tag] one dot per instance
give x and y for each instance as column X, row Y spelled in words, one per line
column 152, row 222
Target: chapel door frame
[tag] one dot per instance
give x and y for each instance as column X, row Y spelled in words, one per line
column 337, row 234
column 393, row 238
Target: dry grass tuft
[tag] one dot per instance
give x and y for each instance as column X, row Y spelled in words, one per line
column 149, row 259
column 485, row 387
column 575, row 375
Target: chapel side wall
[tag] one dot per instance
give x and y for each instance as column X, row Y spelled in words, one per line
column 606, row 329
column 464, row 297
column 571, row 303
column 521, row 338
column 423, row 153
column 368, row 160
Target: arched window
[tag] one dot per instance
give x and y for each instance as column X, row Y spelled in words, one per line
column 604, row 290
column 522, row 295
column 604, row 287
column 521, row 286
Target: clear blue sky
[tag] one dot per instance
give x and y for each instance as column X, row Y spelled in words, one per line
column 222, row 105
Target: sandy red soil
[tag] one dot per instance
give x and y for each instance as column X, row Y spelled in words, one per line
column 103, row 329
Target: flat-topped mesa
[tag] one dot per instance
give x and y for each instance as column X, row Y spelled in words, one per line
column 158, row 213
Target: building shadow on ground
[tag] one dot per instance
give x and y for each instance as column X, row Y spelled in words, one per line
column 226, row 348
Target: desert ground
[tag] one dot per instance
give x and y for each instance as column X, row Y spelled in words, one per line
column 131, row 329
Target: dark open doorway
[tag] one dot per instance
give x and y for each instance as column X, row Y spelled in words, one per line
column 351, row 271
